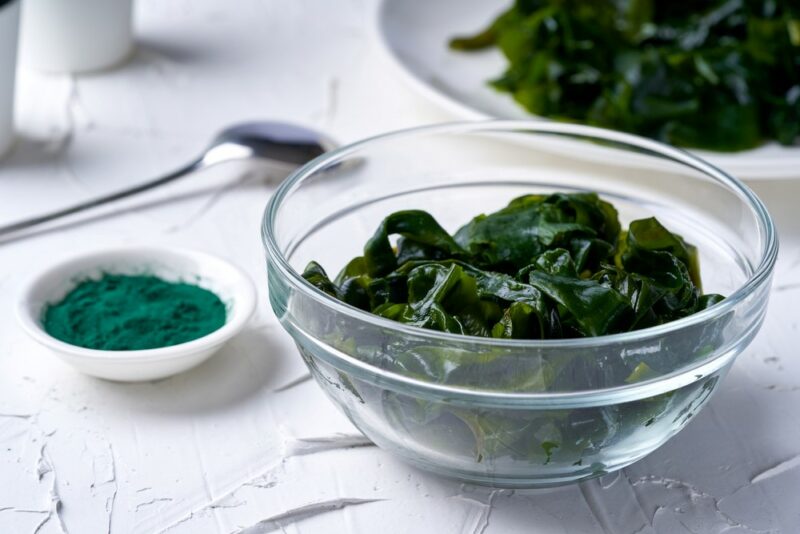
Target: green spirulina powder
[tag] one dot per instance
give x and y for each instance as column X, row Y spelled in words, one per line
column 120, row 312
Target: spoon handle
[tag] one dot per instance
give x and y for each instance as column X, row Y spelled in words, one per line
column 99, row 201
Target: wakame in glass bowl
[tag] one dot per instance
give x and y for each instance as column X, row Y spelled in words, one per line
column 486, row 410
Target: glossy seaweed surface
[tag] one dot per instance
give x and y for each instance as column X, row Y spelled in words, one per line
column 715, row 74
column 544, row 267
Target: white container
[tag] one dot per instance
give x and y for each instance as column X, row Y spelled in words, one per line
column 232, row 286
column 76, row 35
column 9, row 29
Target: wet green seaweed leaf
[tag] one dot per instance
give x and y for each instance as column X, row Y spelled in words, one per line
column 543, row 267
column 715, row 74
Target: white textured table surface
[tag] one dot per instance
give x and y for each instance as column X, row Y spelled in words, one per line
column 245, row 441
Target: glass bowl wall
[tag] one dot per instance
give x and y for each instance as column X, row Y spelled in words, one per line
column 487, row 410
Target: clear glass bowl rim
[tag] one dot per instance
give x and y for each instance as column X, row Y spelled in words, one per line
column 761, row 273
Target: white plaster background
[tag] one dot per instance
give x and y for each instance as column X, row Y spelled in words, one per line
column 246, row 442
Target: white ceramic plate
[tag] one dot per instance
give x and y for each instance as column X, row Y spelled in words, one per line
column 416, row 36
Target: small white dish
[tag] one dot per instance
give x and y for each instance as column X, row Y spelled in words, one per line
column 231, row 284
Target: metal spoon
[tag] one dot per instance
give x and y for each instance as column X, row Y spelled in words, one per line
column 284, row 147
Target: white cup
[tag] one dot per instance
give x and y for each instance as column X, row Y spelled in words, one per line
column 9, row 28
column 76, row 35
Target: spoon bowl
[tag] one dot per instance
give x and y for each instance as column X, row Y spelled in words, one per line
column 282, row 146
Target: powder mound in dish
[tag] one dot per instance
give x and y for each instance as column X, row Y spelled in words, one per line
column 121, row 312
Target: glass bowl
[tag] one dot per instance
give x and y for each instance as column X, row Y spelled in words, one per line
column 486, row 410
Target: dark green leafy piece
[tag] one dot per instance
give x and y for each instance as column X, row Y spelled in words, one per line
column 641, row 292
column 440, row 298
column 317, row 277
column 587, row 306
column 665, row 268
column 520, row 321
column 646, row 239
column 415, row 226
column 512, row 237
column 543, row 267
column 714, row 74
